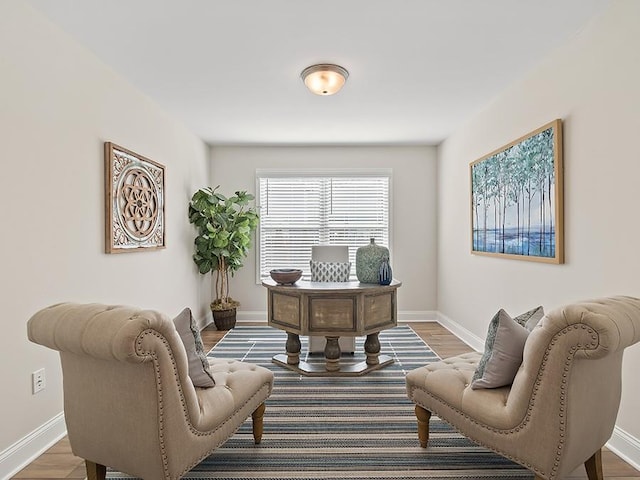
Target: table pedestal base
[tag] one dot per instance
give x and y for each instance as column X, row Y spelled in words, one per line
column 320, row 370
column 332, row 366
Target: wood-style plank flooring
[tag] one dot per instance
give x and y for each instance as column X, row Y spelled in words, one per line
column 58, row 462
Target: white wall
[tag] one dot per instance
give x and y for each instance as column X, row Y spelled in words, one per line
column 58, row 104
column 592, row 84
column 413, row 203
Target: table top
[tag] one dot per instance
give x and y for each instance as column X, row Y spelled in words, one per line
column 311, row 287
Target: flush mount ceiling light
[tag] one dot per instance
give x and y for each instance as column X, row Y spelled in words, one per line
column 325, row 78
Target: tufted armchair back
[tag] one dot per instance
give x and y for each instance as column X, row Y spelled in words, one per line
column 562, row 406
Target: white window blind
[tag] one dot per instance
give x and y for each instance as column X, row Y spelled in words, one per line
column 297, row 212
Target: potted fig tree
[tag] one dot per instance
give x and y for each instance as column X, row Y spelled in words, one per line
column 225, row 225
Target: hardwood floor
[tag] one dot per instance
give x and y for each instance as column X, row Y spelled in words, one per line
column 58, row 462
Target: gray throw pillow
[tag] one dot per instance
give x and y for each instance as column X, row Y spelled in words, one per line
column 530, row 319
column 330, row 271
column 190, row 335
column 502, row 355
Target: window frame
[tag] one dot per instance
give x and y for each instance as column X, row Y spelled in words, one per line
column 320, row 172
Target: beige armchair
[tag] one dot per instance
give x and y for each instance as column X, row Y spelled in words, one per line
column 562, row 406
column 128, row 400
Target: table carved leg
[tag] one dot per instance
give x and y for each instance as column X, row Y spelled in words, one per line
column 372, row 349
column 293, row 347
column 332, row 354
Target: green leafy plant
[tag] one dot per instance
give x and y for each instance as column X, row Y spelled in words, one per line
column 224, row 228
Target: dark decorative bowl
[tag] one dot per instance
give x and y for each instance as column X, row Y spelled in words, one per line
column 286, row 276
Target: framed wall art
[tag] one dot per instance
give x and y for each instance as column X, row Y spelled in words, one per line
column 135, row 201
column 517, row 198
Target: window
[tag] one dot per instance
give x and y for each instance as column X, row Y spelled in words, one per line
column 299, row 209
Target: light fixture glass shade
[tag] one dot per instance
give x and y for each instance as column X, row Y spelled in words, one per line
column 324, row 79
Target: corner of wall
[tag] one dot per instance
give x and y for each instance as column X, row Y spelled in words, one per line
column 626, row 446
column 462, row 333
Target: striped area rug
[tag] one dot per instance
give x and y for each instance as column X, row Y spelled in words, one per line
column 353, row 428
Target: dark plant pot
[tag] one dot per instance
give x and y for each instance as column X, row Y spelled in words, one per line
column 224, row 319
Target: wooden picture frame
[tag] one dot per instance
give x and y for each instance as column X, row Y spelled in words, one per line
column 517, row 198
column 134, row 201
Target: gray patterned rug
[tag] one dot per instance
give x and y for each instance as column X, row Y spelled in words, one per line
column 342, row 427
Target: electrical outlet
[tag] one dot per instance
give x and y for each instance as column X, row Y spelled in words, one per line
column 38, row 380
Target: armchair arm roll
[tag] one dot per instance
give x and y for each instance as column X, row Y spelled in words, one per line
column 100, row 331
column 612, row 319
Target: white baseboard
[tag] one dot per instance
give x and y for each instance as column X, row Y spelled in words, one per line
column 204, row 322
column 244, row 316
column 417, row 316
column 462, row 333
column 27, row 449
column 626, row 446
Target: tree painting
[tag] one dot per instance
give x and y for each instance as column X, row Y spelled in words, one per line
column 516, row 198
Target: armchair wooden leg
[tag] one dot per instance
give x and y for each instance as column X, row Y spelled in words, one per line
column 423, row 417
column 95, row 471
column 258, row 423
column 593, row 466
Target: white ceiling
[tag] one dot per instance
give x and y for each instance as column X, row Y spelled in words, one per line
column 230, row 70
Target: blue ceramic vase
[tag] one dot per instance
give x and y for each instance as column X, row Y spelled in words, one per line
column 386, row 275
